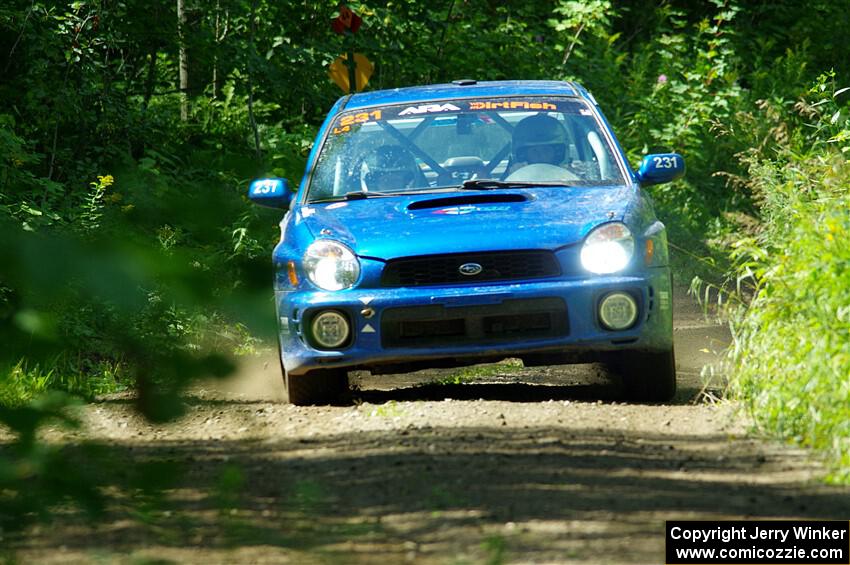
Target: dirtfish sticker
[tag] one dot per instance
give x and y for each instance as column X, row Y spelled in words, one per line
column 428, row 109
column 512, row 105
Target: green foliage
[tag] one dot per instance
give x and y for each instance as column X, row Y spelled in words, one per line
column 91, row 209
column 791, row 355
column 20, row 385
column 683, row 84
column 476, row 372
column 696, row 84
column 573, row 18
column 129, row 259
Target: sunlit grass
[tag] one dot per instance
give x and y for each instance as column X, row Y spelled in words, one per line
column 477, row 372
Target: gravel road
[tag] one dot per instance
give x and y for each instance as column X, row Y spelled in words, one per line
column 497, row 464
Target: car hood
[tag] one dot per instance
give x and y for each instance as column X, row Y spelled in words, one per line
column 425, row 224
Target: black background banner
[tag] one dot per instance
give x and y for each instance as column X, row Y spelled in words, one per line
column 763, row 542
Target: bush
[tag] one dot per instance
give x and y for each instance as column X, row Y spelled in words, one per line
column 791, row 354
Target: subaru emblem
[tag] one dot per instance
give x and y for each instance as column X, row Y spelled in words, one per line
column 470, row 269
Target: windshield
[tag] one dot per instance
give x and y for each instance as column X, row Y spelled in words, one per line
column 431, row 146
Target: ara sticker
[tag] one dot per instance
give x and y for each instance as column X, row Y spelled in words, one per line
column 585, row 112
column 428, row 109
column 345, row 122
column 512, row 105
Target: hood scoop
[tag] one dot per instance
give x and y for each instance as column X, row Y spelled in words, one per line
column 467, row 200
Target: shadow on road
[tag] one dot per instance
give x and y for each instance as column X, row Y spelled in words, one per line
column 598, row 493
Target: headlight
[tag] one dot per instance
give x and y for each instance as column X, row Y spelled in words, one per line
column 331, row 265
column 608, row 249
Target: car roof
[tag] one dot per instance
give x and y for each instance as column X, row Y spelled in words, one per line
column 465, row 89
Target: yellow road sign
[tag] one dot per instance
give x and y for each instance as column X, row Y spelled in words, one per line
column 338, row 72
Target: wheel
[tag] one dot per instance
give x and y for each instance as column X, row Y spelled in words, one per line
column 322, row 386
column 648, row 376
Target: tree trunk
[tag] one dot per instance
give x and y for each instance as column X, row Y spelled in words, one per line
column 252, row 55
column 569, row 51
column 442, row 42
column 184, row 61
column 215, row 46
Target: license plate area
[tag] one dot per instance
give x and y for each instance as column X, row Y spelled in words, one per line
column 439, row 325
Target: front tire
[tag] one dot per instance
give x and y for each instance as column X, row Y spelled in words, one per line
column 648, row 376
column 322, row 386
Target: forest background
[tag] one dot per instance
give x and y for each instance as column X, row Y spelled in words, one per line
column 130, row 258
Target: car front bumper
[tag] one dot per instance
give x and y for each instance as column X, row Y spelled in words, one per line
column 498, row 321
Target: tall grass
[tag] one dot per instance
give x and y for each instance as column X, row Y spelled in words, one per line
column 24, row 382
column 791, row 352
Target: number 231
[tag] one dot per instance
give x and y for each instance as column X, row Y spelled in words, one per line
column 666, row 162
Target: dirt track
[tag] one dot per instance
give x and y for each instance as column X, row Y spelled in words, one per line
column 512, row 466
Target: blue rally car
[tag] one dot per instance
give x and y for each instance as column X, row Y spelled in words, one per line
column 462, row 223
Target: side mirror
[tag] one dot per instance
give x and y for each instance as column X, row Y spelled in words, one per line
column 272, row 193
column 660, row 168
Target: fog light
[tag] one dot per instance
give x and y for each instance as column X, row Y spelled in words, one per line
column 330, row 329
column 618, row 311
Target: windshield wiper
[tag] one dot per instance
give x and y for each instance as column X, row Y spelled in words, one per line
column 363, row 194
column 356, row 195
column 492, row 184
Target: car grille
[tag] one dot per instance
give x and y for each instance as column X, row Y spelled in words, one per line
column 444, row 269
column 438, row 325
